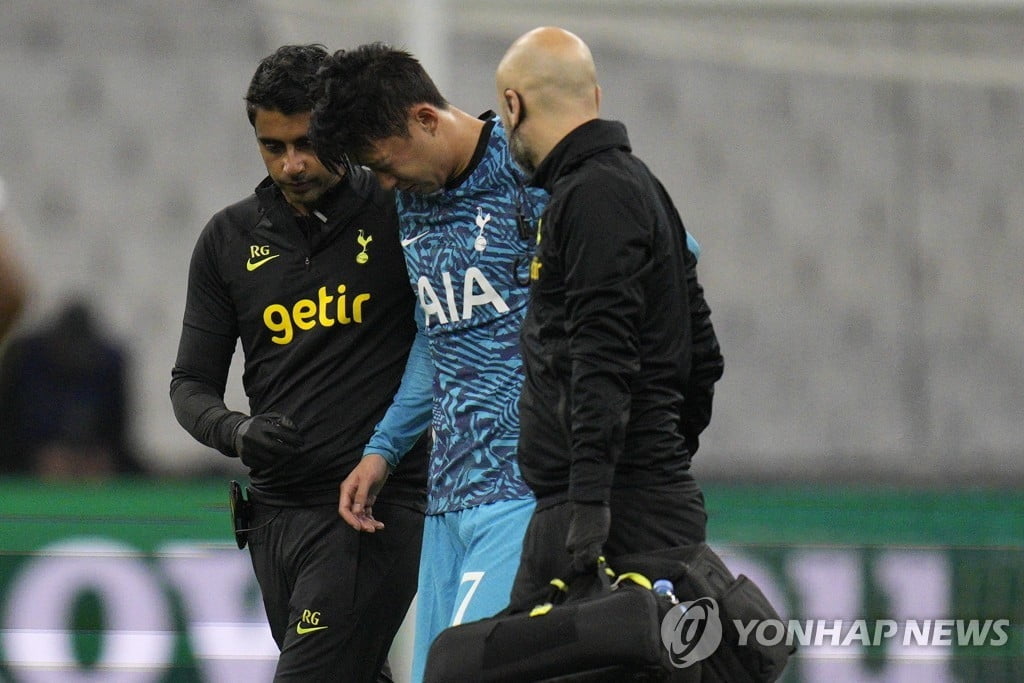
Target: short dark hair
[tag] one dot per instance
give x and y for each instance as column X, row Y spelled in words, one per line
column 283, row 80
column 364, row 95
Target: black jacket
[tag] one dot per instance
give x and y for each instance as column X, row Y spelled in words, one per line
column 324, row 312
column 620, row 354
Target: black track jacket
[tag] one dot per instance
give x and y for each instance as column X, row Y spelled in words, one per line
column 620, row 354
column 325, row 316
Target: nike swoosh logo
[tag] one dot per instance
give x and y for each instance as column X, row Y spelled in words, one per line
column 251, row 265
column 301, row 630
column 406, row 242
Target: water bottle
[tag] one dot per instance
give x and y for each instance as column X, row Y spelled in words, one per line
column 665, row 588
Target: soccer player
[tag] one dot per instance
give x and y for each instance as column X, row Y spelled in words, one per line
column 308, row 272
column 468, row 228
column 619, row 351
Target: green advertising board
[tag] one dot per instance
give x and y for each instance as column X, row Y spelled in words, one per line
column 141, row 581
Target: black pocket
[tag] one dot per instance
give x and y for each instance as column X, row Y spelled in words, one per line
column 744, row 601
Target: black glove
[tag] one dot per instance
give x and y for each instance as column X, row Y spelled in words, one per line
column 261, row 440
column 589, row 524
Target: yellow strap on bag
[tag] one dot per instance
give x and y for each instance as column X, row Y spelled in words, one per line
column 541, row 610
column 636, row 577
column 545, row 607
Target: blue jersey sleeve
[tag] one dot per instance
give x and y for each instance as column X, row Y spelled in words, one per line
column 693, row 245
column 409, row 414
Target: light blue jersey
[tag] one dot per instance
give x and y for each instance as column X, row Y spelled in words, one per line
column 469, row 266
column 468, row 250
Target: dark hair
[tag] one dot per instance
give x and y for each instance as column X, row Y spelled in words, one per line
column 283, row 80
column 364, row 95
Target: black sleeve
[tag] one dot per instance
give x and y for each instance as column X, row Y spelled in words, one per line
column 606, row 257
column 197, row 388
column 706, row 362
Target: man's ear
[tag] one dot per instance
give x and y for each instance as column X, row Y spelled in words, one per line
column 513, row 105
column 425, row 116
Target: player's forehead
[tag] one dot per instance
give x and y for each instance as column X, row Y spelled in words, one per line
column 388, row 152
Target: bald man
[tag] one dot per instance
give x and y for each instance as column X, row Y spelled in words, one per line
column 619, row 351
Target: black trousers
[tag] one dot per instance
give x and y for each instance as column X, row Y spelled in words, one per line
column 643, row 520
column 334, row 597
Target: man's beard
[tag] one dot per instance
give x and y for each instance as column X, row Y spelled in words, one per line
column 520, row 153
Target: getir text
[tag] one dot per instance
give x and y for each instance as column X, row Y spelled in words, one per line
column 305, row 314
